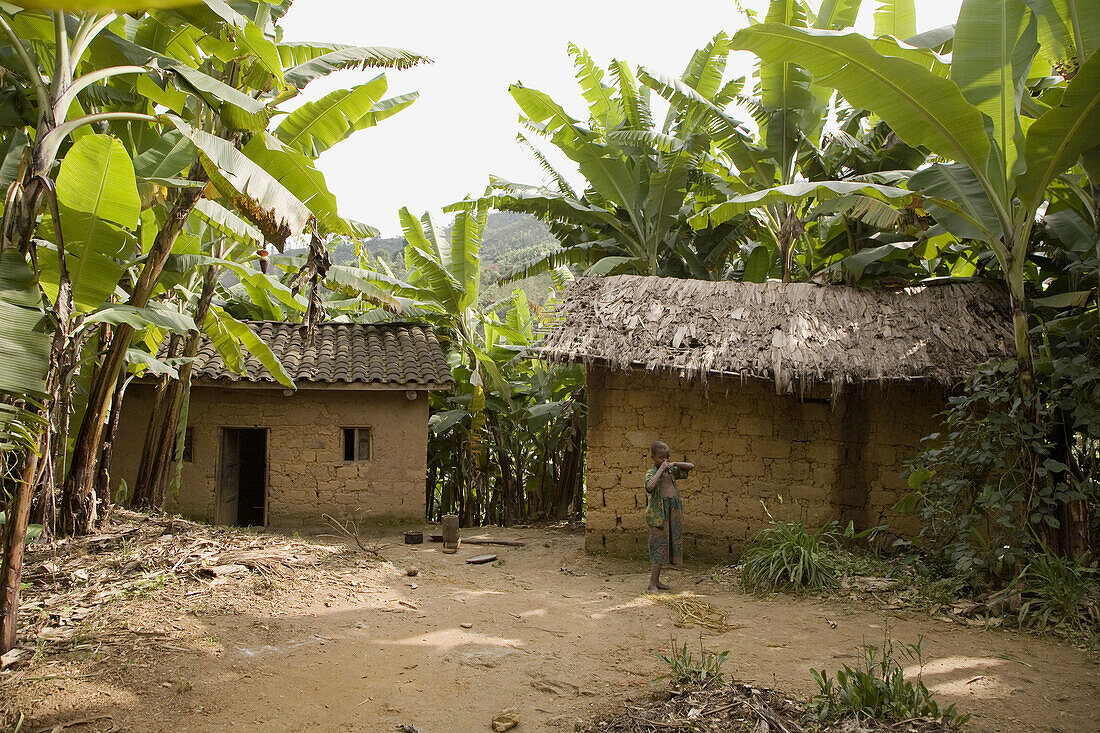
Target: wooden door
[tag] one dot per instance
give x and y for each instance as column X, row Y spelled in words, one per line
column 230, row 481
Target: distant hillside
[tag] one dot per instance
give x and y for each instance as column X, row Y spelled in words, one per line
column 509, row 241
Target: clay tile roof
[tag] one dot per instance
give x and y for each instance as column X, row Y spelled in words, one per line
column 391, row 353
column 794, row 334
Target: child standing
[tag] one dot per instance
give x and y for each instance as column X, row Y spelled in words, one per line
column 664, row 513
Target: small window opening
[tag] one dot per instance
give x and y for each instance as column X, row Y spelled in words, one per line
column 357, row 444
column 188, row 446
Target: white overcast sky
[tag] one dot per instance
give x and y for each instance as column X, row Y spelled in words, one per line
column 463, row 126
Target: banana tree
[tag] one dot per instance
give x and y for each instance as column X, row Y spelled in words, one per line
column 47, row 52
column 179, row 93
column 287, row 155
column 1006, row 145
column 538, row 429
column 189, row 283
column 506, row 442
column 632, row 215
column 447, row 272
column 791, row 150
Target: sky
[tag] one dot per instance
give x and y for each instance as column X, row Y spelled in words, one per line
column 463, row 126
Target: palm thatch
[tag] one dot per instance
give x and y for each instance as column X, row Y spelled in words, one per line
column 794, row 334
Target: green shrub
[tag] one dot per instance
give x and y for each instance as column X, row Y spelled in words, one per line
column 1057, row 594
column 786, row 556
column 33, row 530
column 687, row 669
column 996, row 481
column 879, row 691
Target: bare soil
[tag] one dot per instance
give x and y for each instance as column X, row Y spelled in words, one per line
column 321, row 636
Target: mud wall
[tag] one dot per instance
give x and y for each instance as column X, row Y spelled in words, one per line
column 307, row 475
column 804, row 458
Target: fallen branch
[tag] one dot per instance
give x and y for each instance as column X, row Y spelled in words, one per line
column 438, row 537
column 73, row 723
column 351, row 531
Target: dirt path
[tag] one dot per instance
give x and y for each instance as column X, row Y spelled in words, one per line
column 552, row 632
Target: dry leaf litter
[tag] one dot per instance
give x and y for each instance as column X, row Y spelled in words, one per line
column 91, row 594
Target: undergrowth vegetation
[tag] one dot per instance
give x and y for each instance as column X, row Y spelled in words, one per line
column 1048, row 594
column 879, row 690
column 1009, row 478
column 787, row 556
column 876, row 692
column 1058, row 595
column 687, row 668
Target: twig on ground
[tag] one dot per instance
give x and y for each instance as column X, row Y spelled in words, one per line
column 350, row 530
column 73, row 723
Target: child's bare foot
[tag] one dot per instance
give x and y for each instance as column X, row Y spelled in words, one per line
column 654, row 587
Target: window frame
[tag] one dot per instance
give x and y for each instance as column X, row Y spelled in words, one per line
column 354, row 436
column 188, row 454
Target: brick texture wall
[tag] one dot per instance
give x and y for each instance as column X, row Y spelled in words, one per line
column 307, row 474
column 749, row 446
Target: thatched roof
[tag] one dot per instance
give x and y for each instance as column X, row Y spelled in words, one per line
column 794, row 334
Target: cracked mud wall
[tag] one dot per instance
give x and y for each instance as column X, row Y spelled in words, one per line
column 805, row 459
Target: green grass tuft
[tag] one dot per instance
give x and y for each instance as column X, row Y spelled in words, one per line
column 687, row 669
column 1057, row 594
column 879, row 691
column 787, row 556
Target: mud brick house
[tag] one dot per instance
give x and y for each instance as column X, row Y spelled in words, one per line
column 351, row 440
column 804, row 397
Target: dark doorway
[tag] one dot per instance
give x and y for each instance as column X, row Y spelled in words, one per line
column 243, row 485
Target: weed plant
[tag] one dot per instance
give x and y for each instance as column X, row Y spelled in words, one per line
column 1057, row 595
column 879, row 691
column 786, row 556
column 685, row 668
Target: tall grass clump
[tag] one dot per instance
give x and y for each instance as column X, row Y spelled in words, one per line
column 1057, row 594
column 878, row 691
column 786, row 556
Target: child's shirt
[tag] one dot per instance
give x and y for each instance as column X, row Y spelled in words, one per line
column 655, row 511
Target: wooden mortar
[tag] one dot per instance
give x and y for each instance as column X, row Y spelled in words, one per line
column 450, row 533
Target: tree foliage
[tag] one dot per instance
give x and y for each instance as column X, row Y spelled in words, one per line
column 142, row 155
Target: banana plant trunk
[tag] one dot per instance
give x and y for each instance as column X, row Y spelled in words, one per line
column 103, row 478
column 569, row 487
column 1022, row 334
column 78, row 504
column 1076, row 539
column 158, row 414
column 15, row 533
column 505, row 498
column 158, row 455
column 1071, row 538
column 19, row 507
column 429, row 492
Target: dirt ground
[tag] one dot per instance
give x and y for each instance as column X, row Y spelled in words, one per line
column 353, row 644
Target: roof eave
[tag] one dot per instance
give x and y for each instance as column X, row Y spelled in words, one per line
column 561, row 357
column 324, row 386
